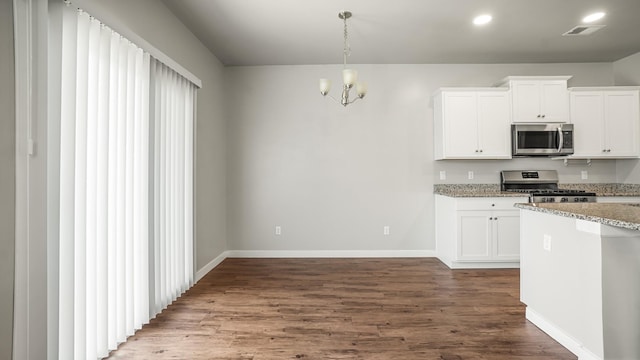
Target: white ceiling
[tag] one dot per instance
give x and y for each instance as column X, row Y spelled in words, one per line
column 288, row 32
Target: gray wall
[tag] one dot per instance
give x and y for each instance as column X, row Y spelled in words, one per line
column 627, row 72
column 7, row 177
column 153, row 21
column 332, row 177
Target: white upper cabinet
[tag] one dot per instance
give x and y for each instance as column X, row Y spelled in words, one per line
column 606, row 122
column 539, row 99
column 472, row 124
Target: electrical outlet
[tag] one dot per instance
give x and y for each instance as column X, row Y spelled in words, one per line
column 546, row 243
column 584, row 174
column 470, row 174
column 278, row 230
column 443, row 175
column 385, row 230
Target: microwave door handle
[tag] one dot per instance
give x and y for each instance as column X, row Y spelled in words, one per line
column 561, row 137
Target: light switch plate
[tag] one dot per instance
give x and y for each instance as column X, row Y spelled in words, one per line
column 584, row 174
column 547, row 242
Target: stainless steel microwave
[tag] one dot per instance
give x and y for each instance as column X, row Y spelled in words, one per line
column 542, row 139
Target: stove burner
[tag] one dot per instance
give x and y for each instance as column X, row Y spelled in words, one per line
column 551, row 192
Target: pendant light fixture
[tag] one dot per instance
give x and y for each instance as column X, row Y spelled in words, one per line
column 349, row 76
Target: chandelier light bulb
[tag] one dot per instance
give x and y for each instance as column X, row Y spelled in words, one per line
column 349, row 77
column 361, row 89
column 325, row 86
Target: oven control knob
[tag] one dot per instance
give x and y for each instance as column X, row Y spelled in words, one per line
column 551, row 199
column 564, row 199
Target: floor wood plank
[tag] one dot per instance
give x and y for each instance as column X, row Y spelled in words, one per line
column 404, row 308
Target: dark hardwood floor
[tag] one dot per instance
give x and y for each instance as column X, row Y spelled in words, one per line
column 345, row 309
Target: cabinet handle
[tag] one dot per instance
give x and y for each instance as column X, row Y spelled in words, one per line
column 544, row 116
column 490, row 218
column 495, row 218
column 480, row 150
column 538, row 115
column 493, row 204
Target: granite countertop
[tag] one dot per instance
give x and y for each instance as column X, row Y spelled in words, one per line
column 473, row 190
column 493, row 190
column 625, row 216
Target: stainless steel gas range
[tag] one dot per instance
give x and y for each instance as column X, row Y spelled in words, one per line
column 541, row 186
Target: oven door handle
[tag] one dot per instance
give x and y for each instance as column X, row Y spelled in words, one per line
column 561, row 137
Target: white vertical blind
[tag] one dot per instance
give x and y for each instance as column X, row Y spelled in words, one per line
column 173, row 184
column 104, row 161
column 120, row 160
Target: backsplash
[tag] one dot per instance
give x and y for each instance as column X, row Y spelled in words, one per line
column 488, row 171
column 605, row 189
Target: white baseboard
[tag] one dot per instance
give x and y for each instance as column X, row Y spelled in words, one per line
column 560, row 336
column 329, row 253
column 483, row 265
column 310, row 254
column 211, row 265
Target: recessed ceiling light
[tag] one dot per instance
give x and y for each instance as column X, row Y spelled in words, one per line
column 482, row 19
column 593, row 17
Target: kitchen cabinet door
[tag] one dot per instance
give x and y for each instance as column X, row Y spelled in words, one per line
column 460, row 124
column 506, row 235
column 622, row 122
column 587, row 115
column 526, row 101
column 539, row 99
column 494, row 135
column 554, row 101
column 474, row 231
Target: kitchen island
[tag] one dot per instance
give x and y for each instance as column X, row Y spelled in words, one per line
column 580, row 276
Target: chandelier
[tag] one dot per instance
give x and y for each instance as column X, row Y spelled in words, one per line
column 349, row 76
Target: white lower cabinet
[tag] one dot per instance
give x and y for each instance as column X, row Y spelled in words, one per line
column 478, row 232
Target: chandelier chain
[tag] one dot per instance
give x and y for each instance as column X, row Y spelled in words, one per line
column 347, row 47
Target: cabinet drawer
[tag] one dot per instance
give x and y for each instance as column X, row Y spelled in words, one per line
column 502, row 203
